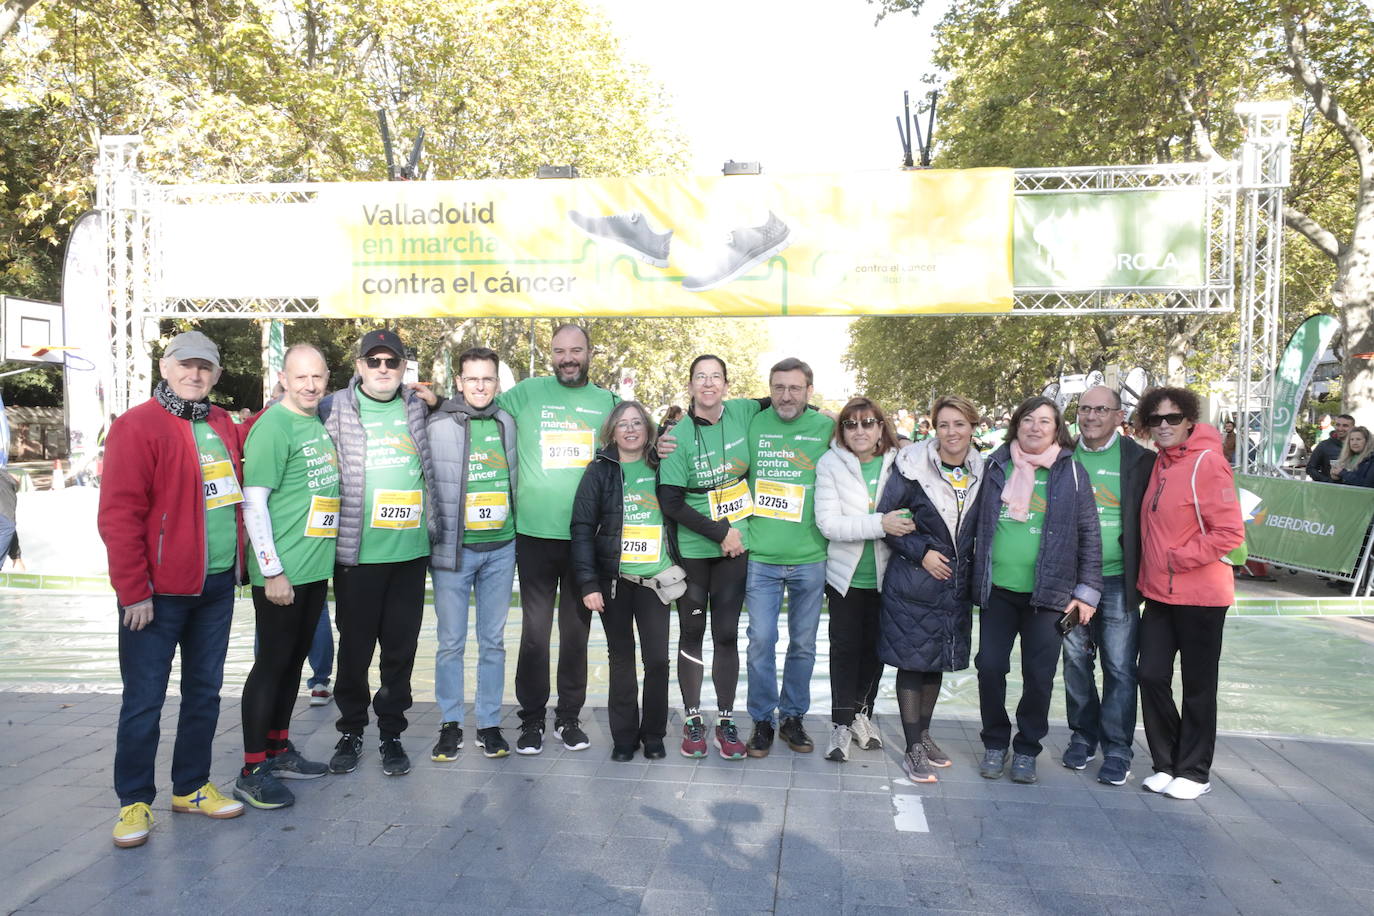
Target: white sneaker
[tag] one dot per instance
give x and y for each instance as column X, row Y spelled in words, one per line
column 866, row 733
column 1157, row 783
column 1187, row 789
column 840, row 736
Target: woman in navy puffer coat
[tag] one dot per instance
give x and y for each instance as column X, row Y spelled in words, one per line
column 926, row 621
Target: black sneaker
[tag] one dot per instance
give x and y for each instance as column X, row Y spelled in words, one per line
column 654, row 749
column 262, row 790
column 795, row 735
column 1022, row 768
column 289, row 764
column 449, row 743
column 394, row 759
column 531, row 740
column 574, row 738
column 761, row 741
column 491, row 742
column 345, row 759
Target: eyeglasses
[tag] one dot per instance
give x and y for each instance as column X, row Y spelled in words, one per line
column 702, row 378
column 1156, row 419
column 376, row 362
column 485, row 381
column 629, row 424
column 1091, row 410
column 866, row 423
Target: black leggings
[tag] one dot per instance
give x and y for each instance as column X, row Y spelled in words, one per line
column 714, row 585
column 284, row 636
column 855, row 668
column 917, row 692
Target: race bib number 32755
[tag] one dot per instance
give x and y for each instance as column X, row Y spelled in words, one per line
column 775, row 499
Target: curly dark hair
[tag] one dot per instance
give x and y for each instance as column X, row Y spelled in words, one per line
column 1030, row 405
column 1187, row 402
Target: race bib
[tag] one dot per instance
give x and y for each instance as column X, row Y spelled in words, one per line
column 323, row 520
column 486, row 511
column 731, row 503
column 775, row 499
column 221, row 486
column 566, row 448
column 641, row 543
column 397, row 509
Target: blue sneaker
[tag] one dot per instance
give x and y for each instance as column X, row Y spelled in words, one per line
column 1077, row 756
column 1114, row 772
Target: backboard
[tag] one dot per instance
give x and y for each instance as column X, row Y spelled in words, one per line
column 30, row 328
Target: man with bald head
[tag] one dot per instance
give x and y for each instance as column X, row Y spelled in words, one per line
column 1119, row 470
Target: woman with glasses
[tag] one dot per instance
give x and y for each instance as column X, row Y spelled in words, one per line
column 926, row 627
column 1190, row 520
column 849, row 479
column 1038, row 559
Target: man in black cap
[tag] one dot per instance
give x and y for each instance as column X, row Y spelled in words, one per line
column 379, row 429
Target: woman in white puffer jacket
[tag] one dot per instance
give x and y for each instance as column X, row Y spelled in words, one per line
column 849, row 479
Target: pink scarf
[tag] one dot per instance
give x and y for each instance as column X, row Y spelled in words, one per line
column 1017, row 493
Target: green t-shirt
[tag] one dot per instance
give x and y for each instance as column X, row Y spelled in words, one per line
column 394, row 528
column 556, row 429
column 294, row 457
column 222, row 494
column 1104, row 470
column 487, row 515
column 866, row 573
column 643, row 548
column 1016, row 545
column 782, row 471
column 713, row 456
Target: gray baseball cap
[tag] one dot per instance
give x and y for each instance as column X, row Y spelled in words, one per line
column 192, row 345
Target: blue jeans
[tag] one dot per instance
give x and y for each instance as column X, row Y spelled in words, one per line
column 321, row 655
column 1113, row 633
column 763, row 591
column 491, row 573
column 199, row 624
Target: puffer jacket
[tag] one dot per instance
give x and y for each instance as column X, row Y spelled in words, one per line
column 450, row 444
column 926, row 624
column 1179, row 563
column 1070, row 561
column 339, row 412
column 845, row 517
column 598, row 516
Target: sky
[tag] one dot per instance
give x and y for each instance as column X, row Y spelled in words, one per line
column 801, row 86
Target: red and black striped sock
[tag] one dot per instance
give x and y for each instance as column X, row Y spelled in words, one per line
column 276, row 742
column 251, row 759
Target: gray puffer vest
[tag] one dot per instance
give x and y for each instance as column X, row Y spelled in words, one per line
column 448, row 437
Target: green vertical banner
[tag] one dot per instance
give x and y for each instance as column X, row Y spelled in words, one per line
column 1291, row 378
column 1305, row 523
column 276, row 346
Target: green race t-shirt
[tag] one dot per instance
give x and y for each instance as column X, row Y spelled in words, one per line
column 222, row 494
column 782, row 470
column 713, row 456
column 643, row 548
column 866, row 573
column 1016, row 545
column 1104, row 470
column 487, row 515
column 394, row 528
column 294, row 457
column 556, row 428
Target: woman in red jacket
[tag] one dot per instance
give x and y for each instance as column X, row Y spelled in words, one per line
column 1189, row 521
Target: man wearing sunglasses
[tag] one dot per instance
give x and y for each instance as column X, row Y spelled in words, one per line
column 387, row 474
column 1119, row 469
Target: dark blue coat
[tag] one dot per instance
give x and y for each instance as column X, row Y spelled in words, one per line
column 926, row 624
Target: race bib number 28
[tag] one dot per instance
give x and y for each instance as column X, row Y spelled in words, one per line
column 775, row 499
column 323, row 520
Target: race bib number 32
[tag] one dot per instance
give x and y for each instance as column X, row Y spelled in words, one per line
column 641, row 543
column 397, row 509
column 323, row 520
column 221, row 486
column 565, row 448
column 731, row 503
column 485, row 511
column 783, row 501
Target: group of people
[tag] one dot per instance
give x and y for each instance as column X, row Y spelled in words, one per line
column 744, row 504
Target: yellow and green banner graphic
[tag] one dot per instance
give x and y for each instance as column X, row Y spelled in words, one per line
column 868, row 243
column 1304, row 523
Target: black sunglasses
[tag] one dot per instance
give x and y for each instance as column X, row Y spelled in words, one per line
column 1173, row 419
column 866, row 423
column 373, row 362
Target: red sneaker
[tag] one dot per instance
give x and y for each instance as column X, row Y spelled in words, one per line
column 727, row 739
column 693, row 737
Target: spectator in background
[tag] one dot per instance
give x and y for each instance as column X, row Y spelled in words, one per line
column 922, row 430
column 1355, row 464
column 1329, row 449
column 1228, row 441
column 9, row 503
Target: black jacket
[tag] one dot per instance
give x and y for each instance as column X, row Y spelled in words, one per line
column 1319, row 462
column 1136, row 464
column 597, row 518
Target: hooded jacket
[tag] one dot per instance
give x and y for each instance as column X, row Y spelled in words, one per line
column 1180, row 560
column 926, row 624
column 846, row 517
column 598, row 518
column 450, row 445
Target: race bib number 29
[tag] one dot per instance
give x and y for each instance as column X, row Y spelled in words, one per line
column 221, row 486
column 783, row 501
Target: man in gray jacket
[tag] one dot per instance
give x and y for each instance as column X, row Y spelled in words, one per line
column 387, row 473
column 473, row 524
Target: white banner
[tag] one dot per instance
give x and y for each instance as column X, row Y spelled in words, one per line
column 89, row 372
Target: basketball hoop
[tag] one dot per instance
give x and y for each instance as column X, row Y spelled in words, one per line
column 55, row 354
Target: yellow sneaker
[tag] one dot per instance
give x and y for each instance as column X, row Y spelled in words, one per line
column 207, row 800
column 133, row 825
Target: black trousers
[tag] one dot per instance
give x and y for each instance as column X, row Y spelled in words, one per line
column 1180, row 743
column 1008, row 615
column 284, row 636
column 715, row 587
column 377, row 605
column 545, row 569
column 636, row 606
column 854, row 666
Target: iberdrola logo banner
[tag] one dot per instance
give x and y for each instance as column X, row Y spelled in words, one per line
column 1304, row 523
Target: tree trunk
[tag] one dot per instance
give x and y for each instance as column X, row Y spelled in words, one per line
column 1353, row 296
column 1175, row 349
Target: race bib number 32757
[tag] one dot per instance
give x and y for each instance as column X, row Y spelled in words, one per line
column 397, row 509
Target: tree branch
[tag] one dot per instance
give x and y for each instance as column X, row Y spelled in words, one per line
column 1312, row 230
column 1201, row 135
column 10, row 14
column 1301, row 69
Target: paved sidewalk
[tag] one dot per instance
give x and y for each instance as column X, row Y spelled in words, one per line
column 1289, row 826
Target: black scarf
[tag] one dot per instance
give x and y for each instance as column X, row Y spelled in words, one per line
column 177, row 407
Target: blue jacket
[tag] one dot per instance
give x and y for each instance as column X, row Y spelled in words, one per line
column 1070, row 561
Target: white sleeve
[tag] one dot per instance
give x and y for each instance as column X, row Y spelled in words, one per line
column 259, row 526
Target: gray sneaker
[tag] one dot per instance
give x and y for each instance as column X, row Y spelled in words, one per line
column 746, row 249
column 1022, row 768
column 262, row 790
column 628, row 232
column 289, row 764
column 994, row 763
column 866, row 733
column 917, row 766
column 937, row 757
column 840, row 736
